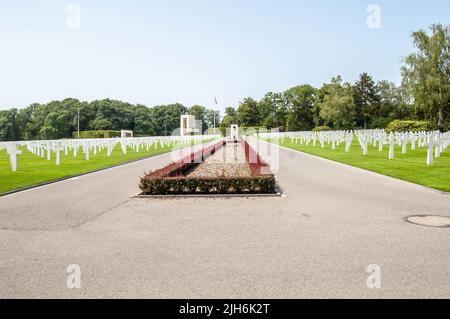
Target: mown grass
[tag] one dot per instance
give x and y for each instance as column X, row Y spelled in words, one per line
column 410, row 167
column 34, row 170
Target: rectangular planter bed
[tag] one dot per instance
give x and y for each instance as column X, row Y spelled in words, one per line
column 178, row 179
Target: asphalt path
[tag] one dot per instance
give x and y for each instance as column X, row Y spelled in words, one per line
column 315, row 242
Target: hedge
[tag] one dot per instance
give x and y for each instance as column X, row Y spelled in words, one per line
column 220, row 185
column 185, row 164
column 96, row 134
column 224, row 129
column 407, row 126
column 171, row 180
column 322, row 128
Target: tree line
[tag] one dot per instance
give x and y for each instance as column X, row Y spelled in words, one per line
column 424, row 94
column 58, row 119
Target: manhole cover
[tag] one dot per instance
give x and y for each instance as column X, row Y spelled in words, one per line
column 429, row 220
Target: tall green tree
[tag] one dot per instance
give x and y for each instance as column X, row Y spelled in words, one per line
column 337, row 108
column 326, row 89
column 38, row 114
column 199, row 112
column 427, row 73
column 9, row 128
column 248, row 113
column 272, row 109
column 367, row 99
column 395, row 104
column 142, row 123
column 167, row 117
column 212, row 118
column 229, row 118
column 55, row 125
column 300, row 101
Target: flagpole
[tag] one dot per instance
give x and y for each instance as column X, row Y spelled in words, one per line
column 78, row 121
column 214, row 115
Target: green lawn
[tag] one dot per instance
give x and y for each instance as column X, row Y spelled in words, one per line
column 410, row 167
column 34, row 170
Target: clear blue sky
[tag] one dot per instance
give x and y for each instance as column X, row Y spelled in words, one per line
column 158, row 52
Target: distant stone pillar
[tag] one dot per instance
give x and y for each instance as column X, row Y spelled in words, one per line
column 234, row 134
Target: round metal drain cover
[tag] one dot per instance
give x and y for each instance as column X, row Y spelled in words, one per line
column 429, row 220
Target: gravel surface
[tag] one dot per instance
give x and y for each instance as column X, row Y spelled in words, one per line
column 228, row 161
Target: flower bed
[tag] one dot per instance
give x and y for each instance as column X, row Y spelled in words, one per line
column 177, row 169
column 173, row 179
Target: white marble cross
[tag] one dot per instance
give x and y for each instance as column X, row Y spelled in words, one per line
column 430, row 152
column 391, row 146
column 13, row 150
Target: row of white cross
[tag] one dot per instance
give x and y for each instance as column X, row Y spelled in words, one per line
column 436, row 142
column 47, row 148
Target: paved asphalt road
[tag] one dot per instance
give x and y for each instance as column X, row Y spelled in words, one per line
column 315, row 242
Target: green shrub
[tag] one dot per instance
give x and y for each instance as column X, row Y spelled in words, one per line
column 322, row 128
column 444, row 127
column 172, row 179
column 380, row 122
column 96, row 134
column 406, row 126
column 242, row 129
column 221, row 185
